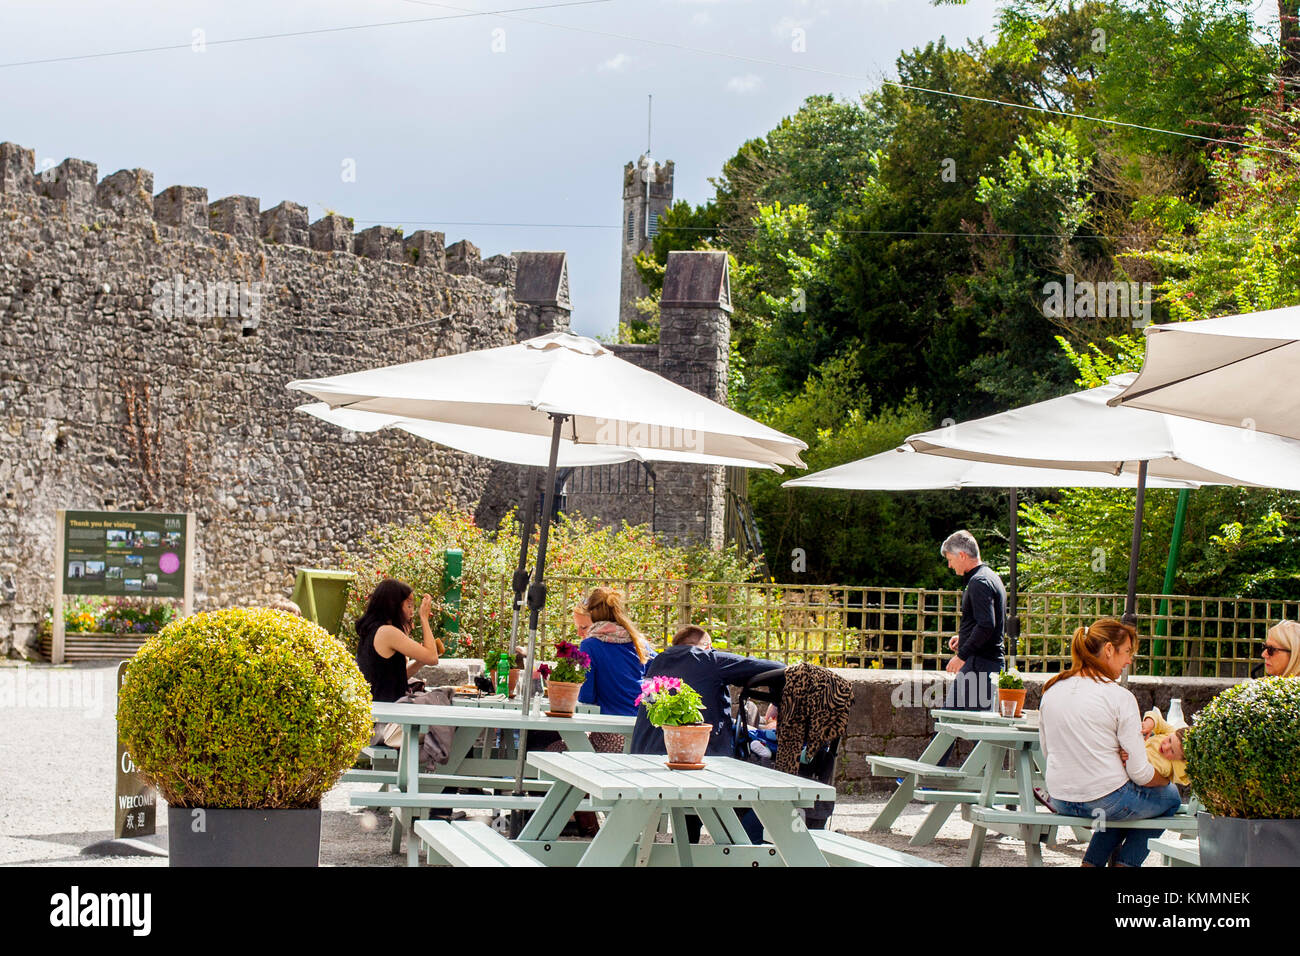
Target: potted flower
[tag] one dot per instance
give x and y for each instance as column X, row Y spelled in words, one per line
column 1243, row 760
column 566, row 679
column 676, row 707
column 1011, row 686
column 243, row 718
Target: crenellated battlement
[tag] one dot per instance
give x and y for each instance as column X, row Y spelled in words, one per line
column 128, row 194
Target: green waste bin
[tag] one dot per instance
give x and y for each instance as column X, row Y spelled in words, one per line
column 323, row 595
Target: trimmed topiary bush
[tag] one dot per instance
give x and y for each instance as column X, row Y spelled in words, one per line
column 244, row 708
column 1243, row 751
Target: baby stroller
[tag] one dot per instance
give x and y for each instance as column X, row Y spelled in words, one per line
column 767, row 688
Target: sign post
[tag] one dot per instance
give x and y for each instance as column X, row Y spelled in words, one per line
column 56, row 618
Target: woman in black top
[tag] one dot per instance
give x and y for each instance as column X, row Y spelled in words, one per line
column 384, row 639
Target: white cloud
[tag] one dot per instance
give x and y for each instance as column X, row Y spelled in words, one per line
column 748, row 83
column 615, row 63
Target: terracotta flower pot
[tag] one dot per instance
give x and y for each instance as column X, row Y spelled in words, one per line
column 563, row 696
column 1008, row 693
column 686, row 744
column 513, row 680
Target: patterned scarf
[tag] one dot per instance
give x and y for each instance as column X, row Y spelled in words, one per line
column 611, row 632
column 814, row 712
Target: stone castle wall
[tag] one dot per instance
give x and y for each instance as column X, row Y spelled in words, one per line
column 145, row 345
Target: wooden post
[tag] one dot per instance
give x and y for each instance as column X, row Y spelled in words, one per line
column 683, row 605
column 188, row 605
column 56, row 619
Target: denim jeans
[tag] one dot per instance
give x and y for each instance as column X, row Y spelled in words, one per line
column 1129, row 802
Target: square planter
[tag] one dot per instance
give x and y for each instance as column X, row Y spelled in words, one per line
column 202, row 837
column 1232, row 841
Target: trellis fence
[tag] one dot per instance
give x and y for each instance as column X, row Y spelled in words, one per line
column 908, row 628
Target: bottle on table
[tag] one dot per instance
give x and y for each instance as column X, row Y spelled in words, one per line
column 1176, row 711
column 503, row 675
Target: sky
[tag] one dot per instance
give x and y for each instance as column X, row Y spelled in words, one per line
column 510, row 129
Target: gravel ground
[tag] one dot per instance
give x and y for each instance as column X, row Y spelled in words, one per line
column 57, row 753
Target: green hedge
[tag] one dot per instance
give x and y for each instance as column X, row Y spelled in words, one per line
column 246, row 707
column 1243, row 751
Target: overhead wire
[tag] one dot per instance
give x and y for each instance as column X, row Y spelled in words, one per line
column 464, row 15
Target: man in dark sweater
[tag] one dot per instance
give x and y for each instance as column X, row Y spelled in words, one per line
column 977, row 645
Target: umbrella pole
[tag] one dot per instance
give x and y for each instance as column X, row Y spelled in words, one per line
column 537, row 593
column 520, row 581
column 1130, row 600
column 1013, row 608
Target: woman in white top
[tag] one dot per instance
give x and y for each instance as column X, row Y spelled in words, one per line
column 1086, row 721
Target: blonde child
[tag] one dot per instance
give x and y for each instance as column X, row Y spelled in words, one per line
column 1165, row 746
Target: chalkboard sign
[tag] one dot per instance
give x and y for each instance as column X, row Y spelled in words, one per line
column 135, row 803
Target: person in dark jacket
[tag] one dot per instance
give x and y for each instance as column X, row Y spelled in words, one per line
column 712, row 674
column 977, row 645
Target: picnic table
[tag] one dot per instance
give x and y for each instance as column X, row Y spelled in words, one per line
column 944, row 788
column 410, row 794
column 1028, row 822
column 637, row 791
column 540, row 704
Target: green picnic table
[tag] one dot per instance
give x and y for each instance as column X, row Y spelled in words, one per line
column 410, row 794
column 540, row 704
column 945, row 788
column 1028, row 822
column 638, row 791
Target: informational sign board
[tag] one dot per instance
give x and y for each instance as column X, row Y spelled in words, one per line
column 135, row 802
column 121, row 553
column 115, row 553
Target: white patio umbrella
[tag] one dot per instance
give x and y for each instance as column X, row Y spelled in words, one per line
column 1237, row 370
column 529, row 388
column 507, row 446
column 557, row 386
column 1081, row 431
column 905, row 469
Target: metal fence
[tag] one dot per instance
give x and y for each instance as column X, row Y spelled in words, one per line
column 908, row 628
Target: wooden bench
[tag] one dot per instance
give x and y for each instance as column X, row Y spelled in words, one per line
column 1026, row 823
column 1177, row 852
column 897, row 766
column 991, row 816
column 447, row 801
column 843, row 850
column 469, row 843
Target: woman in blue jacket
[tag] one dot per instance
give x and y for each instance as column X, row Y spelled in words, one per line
column 618, row 653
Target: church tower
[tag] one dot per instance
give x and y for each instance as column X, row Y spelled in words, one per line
column 647, row 193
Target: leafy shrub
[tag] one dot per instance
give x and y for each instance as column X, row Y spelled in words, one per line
column 245, row 707
column 1243, row 751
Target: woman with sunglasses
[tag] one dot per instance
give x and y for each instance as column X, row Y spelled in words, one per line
column 1282, row 650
